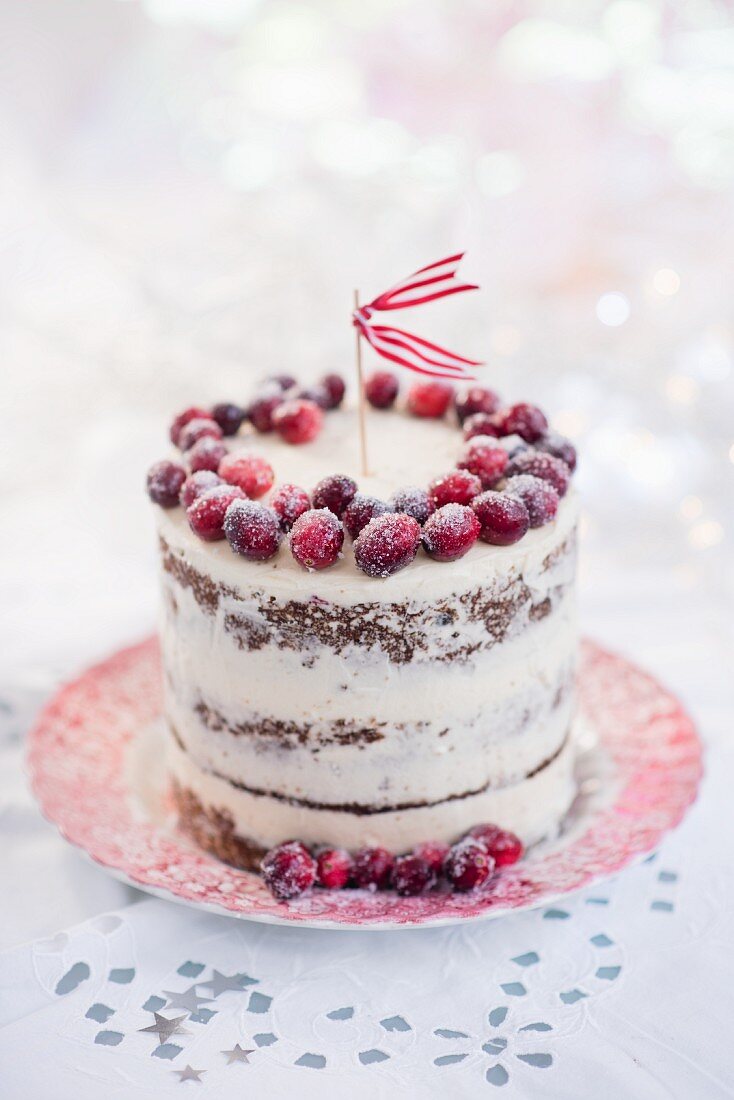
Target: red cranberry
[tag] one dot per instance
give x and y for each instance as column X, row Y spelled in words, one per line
column 298, row 421
column 335, row 387
column 503, row 519
column 522, row 419
column 411, row 875
column 229, row 417
column 432, row 852
column 450, row 532
column 504, row 847
column 429, row 399
column 387, row 544
column 468, row 864
column 360, row 510
column 372, row 868
column 206, row 514
column 196, row 484
column 538, row 496
column 317, row 539
column 282, row 381
column 252, row 530
column 485, row 459
column 413, row 502
column 558, row 446
column 381, row 389
column 206, row 454
column 458, row 487
column 193, row 413
column 543, row 465
column 289, row 502
column 199, row 428
column 262, row 407
column 480, row 424
column 475, row 399
column 164, row 483
column 333, row 868
column 289, row 870
column 334, row 492
column 250, row 472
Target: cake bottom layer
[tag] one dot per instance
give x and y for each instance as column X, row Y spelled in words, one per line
column 238, row 826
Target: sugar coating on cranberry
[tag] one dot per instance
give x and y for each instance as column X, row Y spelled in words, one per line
column 429, row 399
column 163, row 483
column 473, row 400
column 333, row 868
column 538, row 496
column 252, row 473
column 456, row 487
column 480, row 424
column 334, row 492
column 387, row 544
column 372, row 868
column 196, row 484
column 485, row 459
column 468, row 864
column 183, row 418
column 543, row 465
column 298, row 421
column 316, row 539
column 335, row 387
column 206, row 454
column 206, row 514
column 513, row 444
column 412, row 875
column 261, row 408
column 522, row 419
column 197, row 429
column 413, row 502
column 558, row 446
column 252, row 530
column 503, row 846
column 381, row 389
column 360, row 510
column 503, row 519
column 289, row 502
column 433, row 852
column 450, row 532
column 289, row 870
column 228, row 416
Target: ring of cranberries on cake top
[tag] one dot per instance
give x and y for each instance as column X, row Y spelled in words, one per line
column 348, row 710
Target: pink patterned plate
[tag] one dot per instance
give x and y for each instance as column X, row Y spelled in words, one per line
column 97, row 775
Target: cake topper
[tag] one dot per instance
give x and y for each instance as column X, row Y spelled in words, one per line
column 436, row 280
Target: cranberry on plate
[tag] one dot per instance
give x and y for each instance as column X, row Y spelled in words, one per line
column 289, row 870
column 433, row 852
column 468, row 864
column 504, row 847
column 334, row 868
column 372, row 868
column 412, row 875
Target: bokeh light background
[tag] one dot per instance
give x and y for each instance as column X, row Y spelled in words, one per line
column 191, row 189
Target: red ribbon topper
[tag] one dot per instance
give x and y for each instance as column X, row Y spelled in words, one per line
column 425, row 285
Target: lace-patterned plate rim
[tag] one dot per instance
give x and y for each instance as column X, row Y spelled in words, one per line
column 81, row 771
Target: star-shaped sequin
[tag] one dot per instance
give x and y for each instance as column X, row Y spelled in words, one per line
column 220, row 983
column 237, row 1054
column 189, row 1074
column 188, row 999
column 164, row 1028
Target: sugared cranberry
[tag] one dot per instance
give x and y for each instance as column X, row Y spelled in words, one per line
column 196, row 484
column 381, row 389
column 360, row 510
column 334, row 492
column 485, row 459
column 333, row 868
column 372, row 868
column 164, row 483
column 206, row 514
column 503, row 519
column 282, row 381
column 432, row 852
column 250, row 472
column 544, row 465
column 252, row 530
column 468, row 864
column 316, row 393
column 429, row 399
column 513, row 444
column 289, row 502
column 504, row 847
column 229, row 417
column 335, row 387
column 317, row 538
column 261, row 409
column 206, row 454
column 289, row 870
column 298, row 421
column 193, row 413
column 201, row 428
column 411, row 875
column 450, row 532
column 480, row 424
column 538, row 496
column 457, row 487
column 475, row 399
column 522, row 419
column 413, row 502
column 387, row 544
column 558, row 446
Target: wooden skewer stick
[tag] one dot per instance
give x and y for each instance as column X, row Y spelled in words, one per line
column 362, row 401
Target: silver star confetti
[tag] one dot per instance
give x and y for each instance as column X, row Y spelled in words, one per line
column 164, row 1028
column 188, row 999
column 220, row 983
column 237, row 1054
column 189, row 1074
